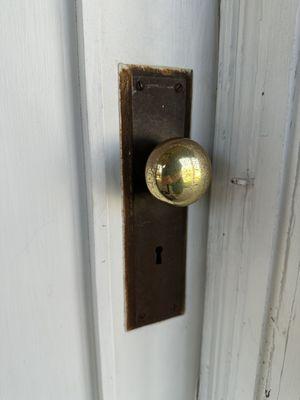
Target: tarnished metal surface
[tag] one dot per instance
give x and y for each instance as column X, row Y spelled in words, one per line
column 155, row 106
column 178, row 172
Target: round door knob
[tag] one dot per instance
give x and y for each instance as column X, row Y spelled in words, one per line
column 178, row 172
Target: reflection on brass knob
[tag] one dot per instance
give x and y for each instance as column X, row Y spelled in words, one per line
column 178, row 171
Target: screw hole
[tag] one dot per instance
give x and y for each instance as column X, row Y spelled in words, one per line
column 158, row 251
column 141, row 317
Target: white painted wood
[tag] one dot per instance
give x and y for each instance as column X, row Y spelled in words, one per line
column 251, row 326
column 281, row 354
column 160, row 361
column 45, row 323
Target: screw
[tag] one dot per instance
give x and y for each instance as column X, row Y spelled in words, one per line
column 178, row 87
column 139, row 85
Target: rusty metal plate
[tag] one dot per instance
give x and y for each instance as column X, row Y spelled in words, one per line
column 155, row 106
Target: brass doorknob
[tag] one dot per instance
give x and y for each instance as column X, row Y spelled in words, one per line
column 178, row 171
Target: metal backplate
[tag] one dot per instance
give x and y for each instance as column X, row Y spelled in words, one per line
column 155, row 106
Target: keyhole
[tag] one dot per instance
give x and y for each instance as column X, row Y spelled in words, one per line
column 158, row 252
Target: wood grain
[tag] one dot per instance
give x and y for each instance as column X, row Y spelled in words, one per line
column 250, row 349
column 46, row 348
column 160, row 361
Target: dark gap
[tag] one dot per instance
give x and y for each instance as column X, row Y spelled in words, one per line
column 158, row 252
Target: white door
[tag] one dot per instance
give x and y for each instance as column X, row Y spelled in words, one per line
column 62, row 322
column 62, row 318
column 251, row 347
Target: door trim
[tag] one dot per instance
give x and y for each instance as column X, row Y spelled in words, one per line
column 250, row 256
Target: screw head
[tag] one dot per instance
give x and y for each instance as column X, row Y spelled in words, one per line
column 139, row 85
column 178, row 87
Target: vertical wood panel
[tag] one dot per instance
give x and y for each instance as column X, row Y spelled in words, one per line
column 253, row 263
column 160, row 361
column 46, row 348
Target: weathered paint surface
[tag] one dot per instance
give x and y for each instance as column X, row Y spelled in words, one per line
column 251, row 331
column 159, row 361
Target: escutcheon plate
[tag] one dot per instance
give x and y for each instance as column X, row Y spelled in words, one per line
column 155, row 105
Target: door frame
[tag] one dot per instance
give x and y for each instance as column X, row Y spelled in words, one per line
column 253, row 260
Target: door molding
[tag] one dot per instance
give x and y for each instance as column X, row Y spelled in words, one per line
column 253, row 228
column 96, row 155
